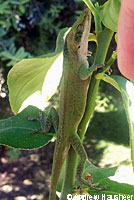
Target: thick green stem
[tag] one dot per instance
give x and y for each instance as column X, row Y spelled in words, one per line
column 104, row 39
column 70, row 170
column 92, row 92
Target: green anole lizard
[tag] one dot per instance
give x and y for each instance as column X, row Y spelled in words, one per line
column 73, row 96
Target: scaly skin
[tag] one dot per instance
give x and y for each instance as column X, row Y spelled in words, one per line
column 73, row 93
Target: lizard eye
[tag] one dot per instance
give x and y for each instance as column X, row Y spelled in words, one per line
column 80, row 30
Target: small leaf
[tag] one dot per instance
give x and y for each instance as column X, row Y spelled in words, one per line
column 8, row 24
column 92, row 37
column 15, row 131
column 12, row 48
column 108, row 79
column 110, row 13
column 7, row 55
column 20, row 52
column 11, row 63
column 14, row 21
column 22, row 8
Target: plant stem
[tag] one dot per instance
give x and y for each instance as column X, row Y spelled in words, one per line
column 104, row 39
column 70, row 170
column 90, row 6
column 95, row 12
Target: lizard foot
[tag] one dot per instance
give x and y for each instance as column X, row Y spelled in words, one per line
column 35, row 131
column 109, row 71
column 34, row 119
column 45, row 123
column 92, row 186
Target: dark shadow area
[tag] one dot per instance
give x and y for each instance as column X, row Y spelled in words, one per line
column 111, row 126
column 28, row 176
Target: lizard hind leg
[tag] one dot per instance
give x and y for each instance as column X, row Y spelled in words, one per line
column 79, row 149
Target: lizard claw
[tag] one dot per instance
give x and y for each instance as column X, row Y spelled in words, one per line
column 35, row 131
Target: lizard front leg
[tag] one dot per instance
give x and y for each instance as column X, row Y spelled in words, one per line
column 85, row 71
column 79, row 149
column 46, row 122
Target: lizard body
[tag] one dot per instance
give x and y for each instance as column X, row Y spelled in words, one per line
column 73, row 92
column 73, row 96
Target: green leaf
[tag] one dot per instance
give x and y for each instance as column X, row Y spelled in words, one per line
column 14, row 2
column 14, row 57
column 34, row 81
column 11, row 63
column 115, row 190
column 110, row 13
column 22, row 8
column 8, row 24
column 12, row 48
column 20, row 52
column 15, row 131
column 24, row 1
column 7, row 55
column 98, row 173
column 2, row 32
column 127, row 92
column 14, row 21
column 108, row 79
column 4, row 8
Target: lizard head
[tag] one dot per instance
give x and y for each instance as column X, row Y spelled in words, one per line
column 77, row 39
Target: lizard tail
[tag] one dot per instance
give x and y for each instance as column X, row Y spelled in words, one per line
column 59, row 158
column 52, row 195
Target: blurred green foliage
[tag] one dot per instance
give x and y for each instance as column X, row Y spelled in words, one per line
column 30, row 28
column 10, row 11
